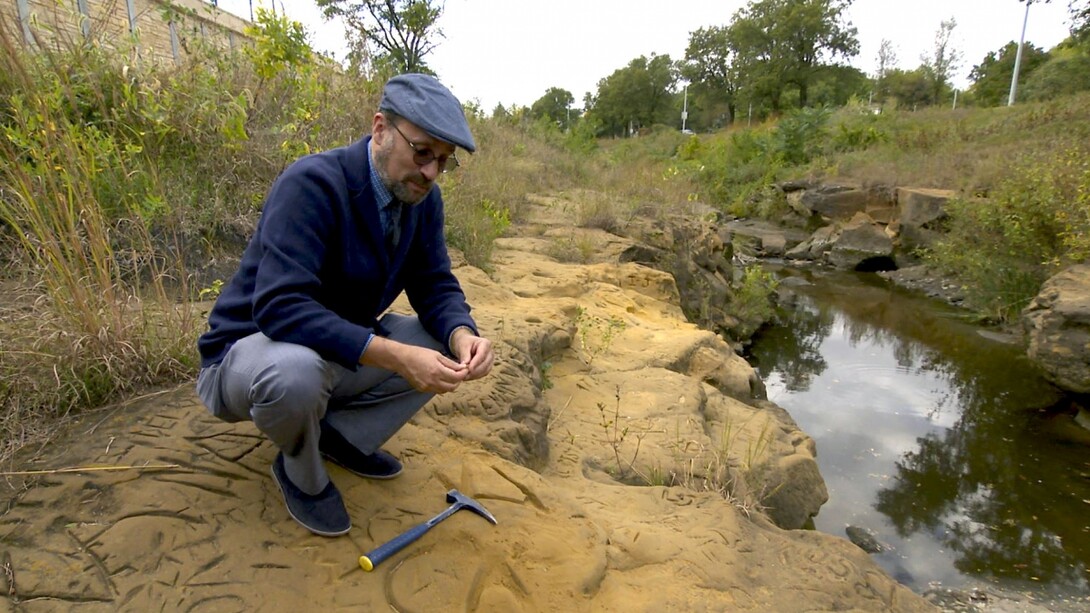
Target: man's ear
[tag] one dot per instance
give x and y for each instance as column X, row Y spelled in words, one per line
column 378, row 126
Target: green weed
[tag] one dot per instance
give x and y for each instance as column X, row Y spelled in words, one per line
column 596, row 334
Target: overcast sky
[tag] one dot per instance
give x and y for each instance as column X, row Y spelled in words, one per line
column 512, row 51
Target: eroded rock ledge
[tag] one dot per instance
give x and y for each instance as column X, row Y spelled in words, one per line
column 626, row 452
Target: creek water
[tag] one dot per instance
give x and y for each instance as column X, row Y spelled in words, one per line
column 936, row 436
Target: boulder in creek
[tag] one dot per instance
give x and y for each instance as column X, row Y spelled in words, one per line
column 842, row 202
column 922, row 212
column 866, row 539
column 1057, row 327
column 860, row 240
column 817, row 245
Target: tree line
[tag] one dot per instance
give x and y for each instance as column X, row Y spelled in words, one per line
column 773, row 56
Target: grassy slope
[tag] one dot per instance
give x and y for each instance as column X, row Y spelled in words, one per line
column 968, row 150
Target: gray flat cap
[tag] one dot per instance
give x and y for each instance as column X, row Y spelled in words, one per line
column 423, row 100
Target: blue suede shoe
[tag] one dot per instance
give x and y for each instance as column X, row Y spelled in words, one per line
column 323, row 513
column 377, row 465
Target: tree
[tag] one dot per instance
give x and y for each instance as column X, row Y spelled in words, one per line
column 1080, row 21
column 778, row 42
column 1068, row 68
column 762, row 73
column 1066, row 72
column 836, row 85
column 887, row 60
column 909, row 88
column 943, row 61
column 403, row 31
column 992, row 77
column 279, row 45
column 635, row 96
column 708, row 68
column 500, row 114
column 553, row 105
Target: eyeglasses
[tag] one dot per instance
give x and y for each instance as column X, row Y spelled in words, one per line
column 424, row 156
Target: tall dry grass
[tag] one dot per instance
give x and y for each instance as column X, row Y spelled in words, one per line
column 89, row 311
column 120, row 178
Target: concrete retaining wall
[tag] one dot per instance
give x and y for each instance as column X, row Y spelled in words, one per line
column 162, row 30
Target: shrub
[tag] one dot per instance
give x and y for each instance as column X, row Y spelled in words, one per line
column 734, row 170
column 473, row 228
column 1035, row 222
column 1066, row 73
column 752, row 301
column 858, row 134
column 800, row 135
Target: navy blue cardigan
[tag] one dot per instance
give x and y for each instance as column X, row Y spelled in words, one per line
column 316, row 272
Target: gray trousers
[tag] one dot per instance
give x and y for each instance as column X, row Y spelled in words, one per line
column 288, row 389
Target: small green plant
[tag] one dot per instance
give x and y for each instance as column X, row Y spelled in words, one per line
column 851, row 138
column 546, row 382
column 656, row 477
column 596, row 334
column 799, row 136
column 769, row 203
column 690, row 149
column 211, row 292
column 698, row 468
column 615, row 437
column 756, row 448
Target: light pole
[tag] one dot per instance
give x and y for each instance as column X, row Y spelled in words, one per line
column 685, row 108
column 1018, row 57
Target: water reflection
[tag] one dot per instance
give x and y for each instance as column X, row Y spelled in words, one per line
column 936, row 438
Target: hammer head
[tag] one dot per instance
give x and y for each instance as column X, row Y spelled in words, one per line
column 465, row 502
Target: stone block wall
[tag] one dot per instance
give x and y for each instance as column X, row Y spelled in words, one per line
column 162, row 30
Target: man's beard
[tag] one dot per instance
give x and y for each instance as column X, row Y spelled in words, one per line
column 397, row 188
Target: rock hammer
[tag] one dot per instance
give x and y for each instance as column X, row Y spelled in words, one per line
column 458, row 501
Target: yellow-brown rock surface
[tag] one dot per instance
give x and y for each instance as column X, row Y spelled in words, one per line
column 599, row 378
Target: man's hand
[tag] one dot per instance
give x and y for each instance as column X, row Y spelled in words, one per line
column 430, row 371
column 425, row 369
column 473, row 352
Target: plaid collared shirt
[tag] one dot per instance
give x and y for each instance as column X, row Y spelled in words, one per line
column 383, row 198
